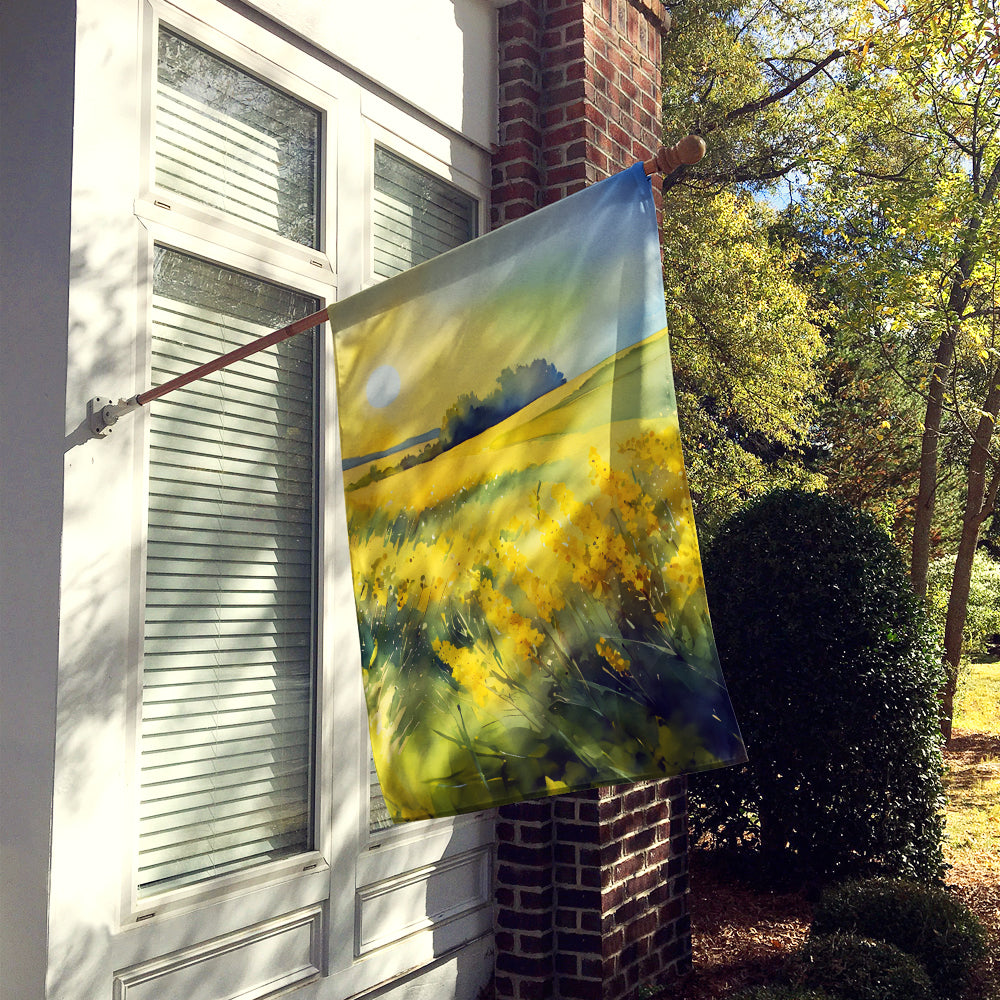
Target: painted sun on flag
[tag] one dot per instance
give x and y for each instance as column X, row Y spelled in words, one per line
column 530, row 601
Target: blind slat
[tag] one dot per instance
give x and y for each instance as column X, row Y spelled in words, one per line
column 401, row 221
column 162, row 764
column 210, row 506
column 161, row 811
column 415, row 215
column 171, row 468
column 244, row 845
column 270, row 806
column 232, row 385
column 245, row 733
column 168, row 796
column 230, row 141
column 228, row 683
column 289, row 565
column 203, row 713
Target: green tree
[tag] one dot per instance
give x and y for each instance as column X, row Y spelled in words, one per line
column 747, row 356
column 747, row 352
column 911, row 184
column 746, row 76
column 866, row 433
column 879, row 120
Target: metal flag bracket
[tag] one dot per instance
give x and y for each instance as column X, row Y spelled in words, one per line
column 103, row 413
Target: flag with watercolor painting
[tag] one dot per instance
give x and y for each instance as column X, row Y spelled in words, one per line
column 529, row 592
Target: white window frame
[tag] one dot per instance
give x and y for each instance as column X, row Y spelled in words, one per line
column 197, row 245
column 391, row 129
column 385, row 858
column 349, row 870
column 180, row 224
column 272, row 60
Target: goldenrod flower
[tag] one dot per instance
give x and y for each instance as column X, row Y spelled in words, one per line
column 471, row 669
column 612, row 657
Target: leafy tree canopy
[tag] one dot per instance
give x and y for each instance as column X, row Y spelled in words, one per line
column 875, row 124
column 747, row 353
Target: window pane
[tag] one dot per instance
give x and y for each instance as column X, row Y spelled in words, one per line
column 228, row 665
column 226, row 139
column 416, row 216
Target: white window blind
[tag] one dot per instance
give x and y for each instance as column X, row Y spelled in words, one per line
column 416, row 216
column 226, row 747
column 228, row 140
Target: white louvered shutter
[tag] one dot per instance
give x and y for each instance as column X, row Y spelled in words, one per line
column 228, row 659
column 416, row 216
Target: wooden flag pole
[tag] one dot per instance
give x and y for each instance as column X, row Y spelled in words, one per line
column 260, row 344
column 103, row 413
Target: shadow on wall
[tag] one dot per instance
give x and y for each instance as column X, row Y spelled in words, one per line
column 90, row 818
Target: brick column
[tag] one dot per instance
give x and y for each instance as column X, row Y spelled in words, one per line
column 579, row 96
column 591, row 893
column 517, row 159
column 591, row 889
column 621, row 866
column 524, row 902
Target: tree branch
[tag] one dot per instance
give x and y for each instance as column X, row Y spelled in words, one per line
column 724, row 178
column 753, row 107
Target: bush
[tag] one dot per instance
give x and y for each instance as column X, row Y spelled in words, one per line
column 982, row 620
column 856, row 968
column 833, row 672
column 927, row 923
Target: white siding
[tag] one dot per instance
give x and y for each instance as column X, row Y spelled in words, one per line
column 99, row 937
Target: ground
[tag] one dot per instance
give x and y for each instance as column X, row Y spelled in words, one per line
column 741, row 935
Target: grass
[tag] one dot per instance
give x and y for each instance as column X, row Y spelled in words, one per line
column 974, row 773
column 973, row 811
column 978, row 699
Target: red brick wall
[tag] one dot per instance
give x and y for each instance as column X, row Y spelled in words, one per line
column 579, row 96
column 591, row 889
column 591, row 893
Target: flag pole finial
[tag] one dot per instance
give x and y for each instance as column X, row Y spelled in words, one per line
column 688, row 151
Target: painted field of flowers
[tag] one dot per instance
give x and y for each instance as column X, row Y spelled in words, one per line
column 531, row 606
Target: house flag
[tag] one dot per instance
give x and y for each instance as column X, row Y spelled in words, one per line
column 526, row 573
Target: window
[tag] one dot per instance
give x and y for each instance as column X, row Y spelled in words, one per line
column 229, row 646
column 274, row 184
column 228, row 140
column 415, row 216
column 228, row 684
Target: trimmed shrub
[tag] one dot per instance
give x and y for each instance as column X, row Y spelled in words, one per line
column 857, row 968
column 925, row 922
column 833, row 672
